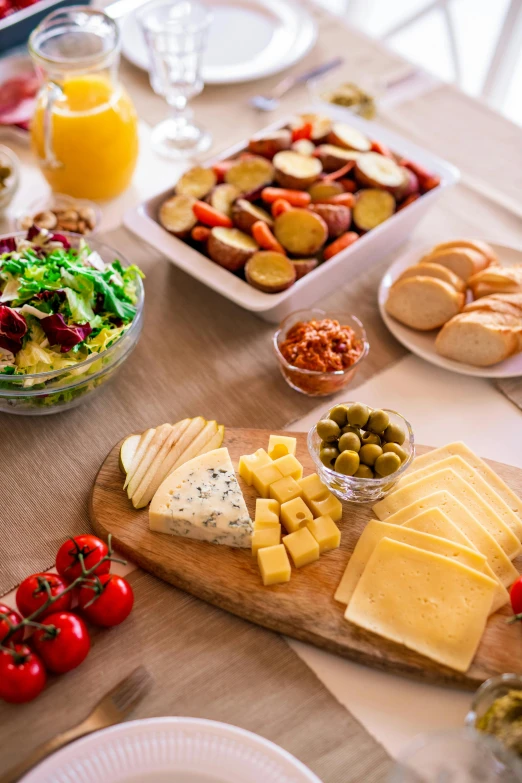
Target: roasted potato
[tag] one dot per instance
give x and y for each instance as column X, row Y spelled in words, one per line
column 245, row 214
column 271, row 143
column 303, row 266
column 377, row 171
column 321, row 125
column 177, row 216
column 301, row 232
column 230, row 247
column 295, row 171
column 372, row 207
column 336, row 216
column 303, row 147
column 333, row 157
column 270, row 272
column 321, row 190
column 251, row 174
column 348, row 138
column 222, row 197
column 196, row 182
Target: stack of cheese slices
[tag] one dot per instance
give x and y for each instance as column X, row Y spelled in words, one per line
column 436, row 562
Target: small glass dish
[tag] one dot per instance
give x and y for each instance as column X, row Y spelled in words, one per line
column 62, row 202
column 312, row 382
column 359, row 94
column 9, row 159
column 490, row 691
column 361, row 490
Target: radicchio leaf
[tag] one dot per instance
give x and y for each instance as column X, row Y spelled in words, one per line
column 7, row 245
column 58, row 333
column 13, row 328
column 60, row 238
column 33, row 232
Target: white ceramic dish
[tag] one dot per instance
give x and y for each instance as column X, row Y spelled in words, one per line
column 172, row 750
column 263, row 37
column 423, row 343
column 338, row 271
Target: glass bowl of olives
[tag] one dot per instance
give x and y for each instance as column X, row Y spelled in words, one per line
column 361, row 452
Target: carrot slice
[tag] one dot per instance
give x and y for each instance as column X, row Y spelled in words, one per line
column 296, row 198
column 348, row 184
column 409, row 200
column 430, row 183
column 340, row 172
column 427, row 180
column 220, row 169
column 210, row 216
column 264, row 237
column 200, row 233
column 303, row 132
column 344, row 241
column 279, row 206
column 346, row 199
column 382, row 149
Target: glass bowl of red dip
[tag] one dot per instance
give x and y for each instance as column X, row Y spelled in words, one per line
column 318, row 352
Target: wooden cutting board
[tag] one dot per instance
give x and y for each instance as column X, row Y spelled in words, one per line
column 304, row 608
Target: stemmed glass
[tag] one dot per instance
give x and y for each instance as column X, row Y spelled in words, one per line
column 175, row 32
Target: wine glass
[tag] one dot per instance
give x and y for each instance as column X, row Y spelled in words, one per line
column 175, row 32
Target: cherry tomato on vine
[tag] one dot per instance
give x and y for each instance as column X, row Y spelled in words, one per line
column 515, row 595
column 113, row 600
column 13, row 618
column 22, row 674
column 32, row 594
column 91, row 548
column 65, row 644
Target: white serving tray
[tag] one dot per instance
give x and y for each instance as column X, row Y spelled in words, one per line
column 370, row 249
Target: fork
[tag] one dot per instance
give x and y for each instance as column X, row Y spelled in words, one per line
column 271, row 101
column 113, row 708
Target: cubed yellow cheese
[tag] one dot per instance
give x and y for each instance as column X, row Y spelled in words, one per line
column 270, row 536
column 279, row 445
column 263, row 477
column 267, row 513
column 274, row 565
column 295, row 514
column 325, row 532
column 429, row 603
column 313, row 488
column 289, row 466
column 249, row 462
column 328, row 506
column 302, row 546
column 285, row 489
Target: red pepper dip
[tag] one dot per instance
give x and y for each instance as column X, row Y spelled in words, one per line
column 321, row 346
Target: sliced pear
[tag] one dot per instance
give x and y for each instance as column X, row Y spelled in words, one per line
column 214, row 442
column 128, row 451
column 145, row 439
column 160, row 436
column 142, row 492
column 193, row 449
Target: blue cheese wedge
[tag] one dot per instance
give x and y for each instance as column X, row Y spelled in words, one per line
column 202, row 500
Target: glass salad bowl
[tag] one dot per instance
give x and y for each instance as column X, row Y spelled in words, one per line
column 59, row 389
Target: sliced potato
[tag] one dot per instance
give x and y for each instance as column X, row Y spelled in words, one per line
column 301, row 232
column 230, row 247
column 336, row 216
column 321, row 190
column 303, row 147
column 295, row 171
column 374, row 170
column 270, row 272
column 333, row 157
column 128, row 451
column 303, row 266
column 321, row 125
column 177, row 216
column 196, row 182
column 271, row 143
column 348, row 138
column 222, row 198
column 245, row 214
column 250, row 174
column 372, row 208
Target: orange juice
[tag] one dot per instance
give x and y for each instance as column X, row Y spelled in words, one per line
column 94, row 138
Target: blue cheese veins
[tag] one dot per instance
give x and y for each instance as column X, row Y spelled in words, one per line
column 202, row 500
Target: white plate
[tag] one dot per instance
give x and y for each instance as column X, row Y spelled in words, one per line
column 172, row 750
column 262, row 37
column 423, row 343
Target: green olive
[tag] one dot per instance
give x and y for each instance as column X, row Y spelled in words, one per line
column 328, row 455
column 350, row 428
column 338, row 414
column 358, row 414
column 387, row 464
column 370, row 437
column 347, row 463
column 394, row 448
column 378, row 421
column 394, row 434
column 328, row 430
column 349, row 442
column 369, row 453
column 363, row 471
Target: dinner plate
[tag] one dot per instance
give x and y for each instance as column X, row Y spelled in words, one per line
column 423, row 343
column 262, row 37
column 172, row 750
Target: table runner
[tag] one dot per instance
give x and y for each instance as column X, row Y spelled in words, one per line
column 209, row 664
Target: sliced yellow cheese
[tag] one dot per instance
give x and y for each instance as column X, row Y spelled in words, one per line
column 437, row 523
column 447, row 479
column 431, row 604
column 502, row 567
column 480, row 485
column 487, row 473
column 375, row 531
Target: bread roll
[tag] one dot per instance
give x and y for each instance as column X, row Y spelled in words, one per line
column 496, row 280
column 462, row 261
column 494, row 305
column 473, row 244
column 423, row 303
column 472, row 340
column 434, row 270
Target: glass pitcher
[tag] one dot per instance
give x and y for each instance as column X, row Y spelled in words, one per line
column 84, row 129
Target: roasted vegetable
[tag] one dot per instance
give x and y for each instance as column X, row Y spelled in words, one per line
column 176, row 214
column 271, row 143
column 196, row 182
column 344, row 241
column 324, row 189
column 376, row 171
column 209, row 216
column 230, row 247
column 372, row 207
column 303, row 266
column 295, row 171
column 222, row 197
column 250, row 174
column 348, row 138
column 245, row 214
column 301, row 232
column 270, row 272
column 265, row 239
column 336, row 216
column 334, row 158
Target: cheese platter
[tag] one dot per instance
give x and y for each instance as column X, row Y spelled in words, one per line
column 308, row 603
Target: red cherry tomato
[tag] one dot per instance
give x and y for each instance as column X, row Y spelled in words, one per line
column 32, row 594
column 12, row 618
column 91, row 548
column 515, row 595
column 113, row 600
column 22, row 674
column 65, row 645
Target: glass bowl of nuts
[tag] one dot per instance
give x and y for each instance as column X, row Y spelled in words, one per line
column 360, row 452
column 58, row 212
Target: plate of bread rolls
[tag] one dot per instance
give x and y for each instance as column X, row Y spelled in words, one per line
column 458, row 305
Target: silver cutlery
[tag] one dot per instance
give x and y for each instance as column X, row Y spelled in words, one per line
column 270, row 101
